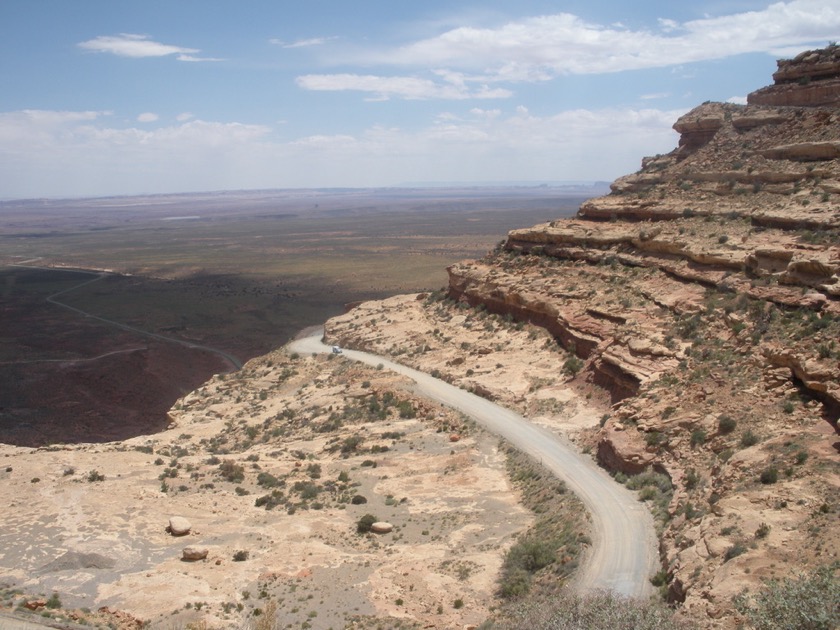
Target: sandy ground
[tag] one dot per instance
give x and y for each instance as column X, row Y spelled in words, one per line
column 104, row 543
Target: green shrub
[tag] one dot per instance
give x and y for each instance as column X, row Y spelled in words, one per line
column 808, row 602
column 649, row 478
column 572, row 365
column 240, row 556
column 734, row 551
column 597, row 611
column 406, row 409
column 691, row 479
column 350, row 444
column 514, row 584
column 762, row 531
column 54, row 601
column 653, row 438
column 648, row 493
column 230, row 471
column 698, row 437
column 769, row 475
column 306, row 489
column 364, row 524
column 522, row 560
column 531, row 555
column 726, row 424
column 267, row 480
column 748, row 438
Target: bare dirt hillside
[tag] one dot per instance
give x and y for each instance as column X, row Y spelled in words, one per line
column 702, row 297
column 274, row 468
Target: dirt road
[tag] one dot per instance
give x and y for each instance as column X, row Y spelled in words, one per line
column 235, row 363
column 623, row 554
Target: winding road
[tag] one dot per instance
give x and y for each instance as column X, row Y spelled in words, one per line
column 232, row 360
column 623, row 554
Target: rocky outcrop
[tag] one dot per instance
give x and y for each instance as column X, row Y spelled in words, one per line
column 704, row 294
column 820, row 377
column 810, row 79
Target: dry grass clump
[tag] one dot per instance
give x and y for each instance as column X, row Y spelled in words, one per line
column 598, row 611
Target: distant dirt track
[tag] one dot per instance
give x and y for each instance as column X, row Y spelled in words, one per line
column 623, row 555
column 233, row 361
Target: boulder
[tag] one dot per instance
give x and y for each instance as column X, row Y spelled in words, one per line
column 179, row 526
column 192, row 554
column 381, row 527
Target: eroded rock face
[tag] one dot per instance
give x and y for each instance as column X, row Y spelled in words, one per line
column 704, row 294
column 810, row 79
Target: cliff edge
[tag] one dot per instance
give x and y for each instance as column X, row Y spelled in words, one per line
column 684, row 329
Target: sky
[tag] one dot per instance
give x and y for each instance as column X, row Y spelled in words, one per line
column 120, row 97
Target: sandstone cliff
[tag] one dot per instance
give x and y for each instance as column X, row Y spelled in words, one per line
column 704, row 294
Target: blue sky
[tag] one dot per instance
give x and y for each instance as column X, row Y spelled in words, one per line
column 105, row 97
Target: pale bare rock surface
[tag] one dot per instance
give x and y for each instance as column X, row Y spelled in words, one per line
column 297, row 434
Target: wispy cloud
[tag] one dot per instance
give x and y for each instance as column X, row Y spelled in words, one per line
column 544, row 47
column 139, row 46
column 410, row 88
column 147, row 117
column 82, row 153
column 193, row 58
column 302, row 43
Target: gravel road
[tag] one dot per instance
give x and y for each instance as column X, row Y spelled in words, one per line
column 623, row 553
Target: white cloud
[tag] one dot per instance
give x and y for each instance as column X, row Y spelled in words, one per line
column 147, row 117
column 654, row 96
column 45, row 153
column 195, row 59
column 302, row 43
column 485, row 113
column 89, row 153
column 737, row 100
column 139, row 46
column 668, row 25
column 184, row 117
column 540, row 48
column 411, row 88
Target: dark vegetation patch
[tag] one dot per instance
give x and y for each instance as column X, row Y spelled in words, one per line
column 550, row 550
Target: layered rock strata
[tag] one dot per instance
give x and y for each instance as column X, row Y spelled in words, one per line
column 812, row 78
column 704, row 294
